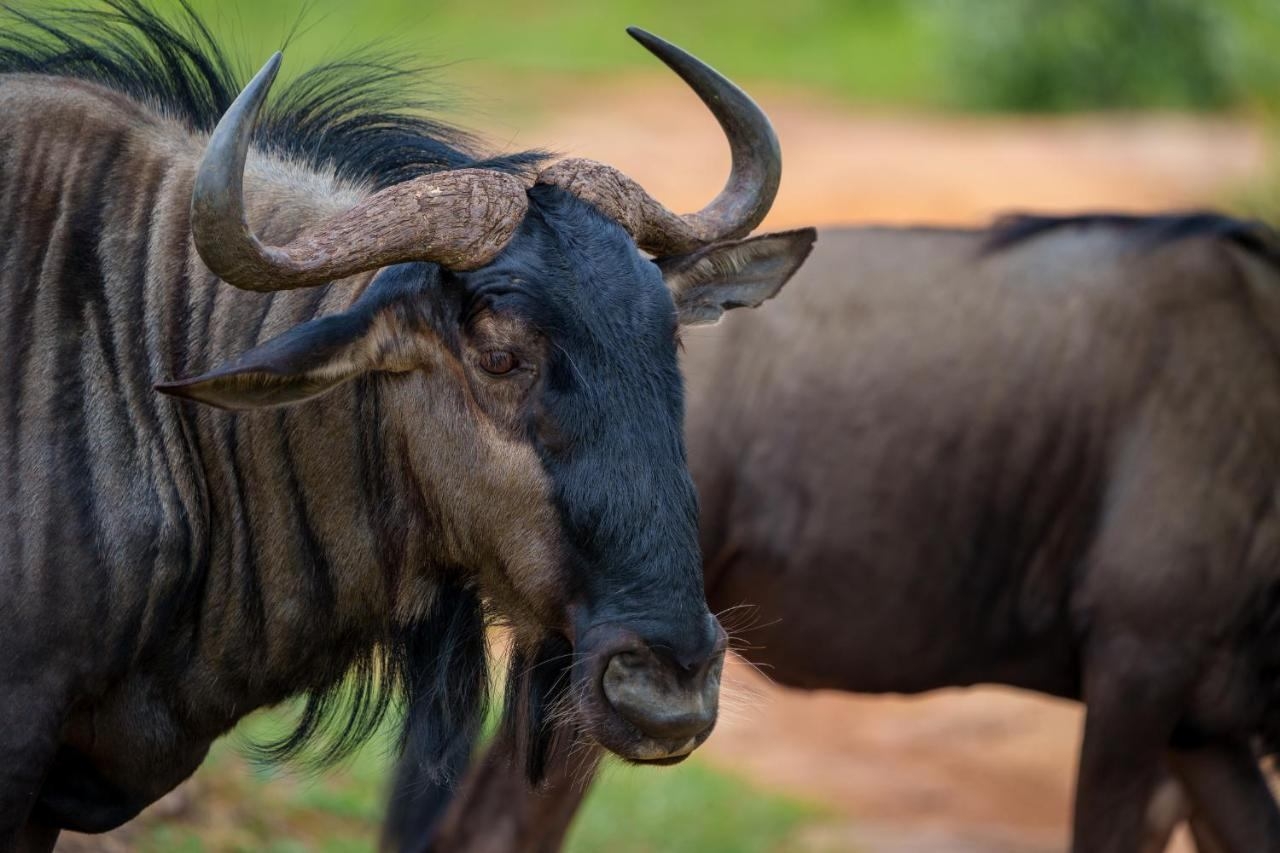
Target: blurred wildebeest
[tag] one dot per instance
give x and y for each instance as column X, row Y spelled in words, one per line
column 1044, row 455
column 493, row 413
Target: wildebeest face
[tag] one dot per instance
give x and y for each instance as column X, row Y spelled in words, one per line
column 571, row 337
column 606, row 423
column 523, row 351
column 603, row 413
column 539, row 403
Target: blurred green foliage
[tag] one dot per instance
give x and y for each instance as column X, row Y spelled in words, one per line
column 1025, row 55
column 873, row 50
column 1048, row 55
column 688, row 809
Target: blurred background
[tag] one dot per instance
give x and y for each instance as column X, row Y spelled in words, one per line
column 889, row 111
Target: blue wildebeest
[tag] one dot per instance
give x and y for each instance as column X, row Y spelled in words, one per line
column 1045, row 455
column 488, row 416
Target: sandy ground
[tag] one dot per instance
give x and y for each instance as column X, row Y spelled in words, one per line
column 959, row 771
column 849, row 166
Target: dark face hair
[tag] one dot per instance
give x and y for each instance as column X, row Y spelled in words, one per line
column 569, row 339
column 539, row 403
column 604, row 411
column 572, row 334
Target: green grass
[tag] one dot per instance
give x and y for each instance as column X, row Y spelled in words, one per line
column 691, row 808
column 237, row 806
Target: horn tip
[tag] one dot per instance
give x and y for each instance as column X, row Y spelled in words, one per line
column 173, row 387
column 646, row 38
column 250, row 100
column 266, row 75
column 272, row 66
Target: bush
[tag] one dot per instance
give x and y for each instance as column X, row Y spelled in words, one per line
column 1061, row 55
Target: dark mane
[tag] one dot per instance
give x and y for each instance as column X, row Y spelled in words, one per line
column 1147, row 232
column 357, row 115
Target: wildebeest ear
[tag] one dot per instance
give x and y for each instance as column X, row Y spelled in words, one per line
column 742, row 273
column 310, row 359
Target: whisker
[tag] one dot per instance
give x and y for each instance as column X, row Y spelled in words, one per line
column 572, row 365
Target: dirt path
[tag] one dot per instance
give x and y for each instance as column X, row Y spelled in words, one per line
column 963, row 770
column 978, row 770
column 983, row 769
column 848, row 166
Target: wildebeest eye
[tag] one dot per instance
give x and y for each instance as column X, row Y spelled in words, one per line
column 498, row 362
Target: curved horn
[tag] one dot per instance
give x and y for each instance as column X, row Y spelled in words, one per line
column 740, row 206
column 460, row 219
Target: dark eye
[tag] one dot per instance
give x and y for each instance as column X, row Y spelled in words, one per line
column 498, row 362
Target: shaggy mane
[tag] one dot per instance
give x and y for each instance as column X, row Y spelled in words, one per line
column 357, row 115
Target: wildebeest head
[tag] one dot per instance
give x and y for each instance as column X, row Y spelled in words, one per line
column 525, row 349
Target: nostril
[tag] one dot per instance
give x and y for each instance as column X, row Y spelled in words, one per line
column 690, row 664
column 691, row 658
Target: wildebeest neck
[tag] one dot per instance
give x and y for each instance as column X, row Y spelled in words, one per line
column 291, row 530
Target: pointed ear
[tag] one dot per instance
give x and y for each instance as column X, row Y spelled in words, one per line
column 710, row 281
column 310, row 359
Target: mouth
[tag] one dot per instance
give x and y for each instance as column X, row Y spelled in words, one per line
column 659, row 754
column 657, row 762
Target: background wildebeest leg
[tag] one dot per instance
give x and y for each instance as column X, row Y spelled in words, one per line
column 495, row 810
column 1133, row 697
column 1230, row 797
column 1169, row 806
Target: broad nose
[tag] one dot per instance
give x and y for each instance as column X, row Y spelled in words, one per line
column 663, row 697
